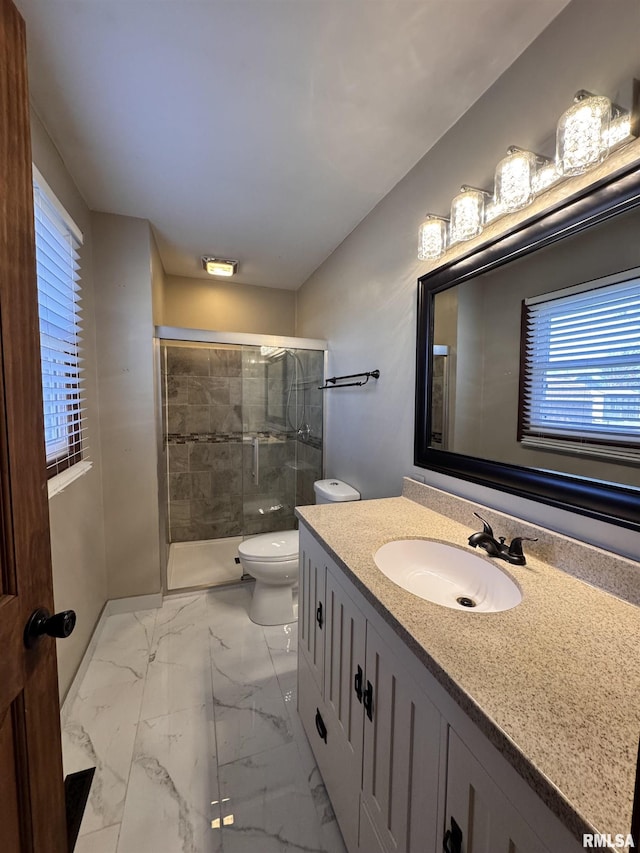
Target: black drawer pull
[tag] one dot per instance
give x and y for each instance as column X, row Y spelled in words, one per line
column 357, row 683
column 322, row 729
column 319, row 615
column 452, row 842
column 368, row 700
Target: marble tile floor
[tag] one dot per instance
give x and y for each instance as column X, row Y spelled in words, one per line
column 188, row 712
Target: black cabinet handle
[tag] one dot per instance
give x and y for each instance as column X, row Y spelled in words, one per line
column 320, row 726
column 319, row 615
column 368, row 700
column 357, row 683
column 452, row 842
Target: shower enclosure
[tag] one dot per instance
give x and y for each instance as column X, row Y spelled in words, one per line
column 242, row 425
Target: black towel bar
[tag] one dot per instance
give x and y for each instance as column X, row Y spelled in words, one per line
column 332, row 383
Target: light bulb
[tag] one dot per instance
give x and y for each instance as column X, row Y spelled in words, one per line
column 432, row 238
column 514, row 179
column 467, row 214
column 582, row 136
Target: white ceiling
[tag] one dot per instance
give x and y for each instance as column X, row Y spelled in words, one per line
column 262, row 130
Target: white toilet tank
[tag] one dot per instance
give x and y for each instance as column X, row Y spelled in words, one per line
column 334, row 491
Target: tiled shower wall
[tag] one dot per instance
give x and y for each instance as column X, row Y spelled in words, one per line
column 214, row 406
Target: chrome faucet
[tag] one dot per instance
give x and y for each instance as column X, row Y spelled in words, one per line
column 496, row 547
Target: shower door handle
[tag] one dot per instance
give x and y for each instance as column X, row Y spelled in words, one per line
column 256, row 461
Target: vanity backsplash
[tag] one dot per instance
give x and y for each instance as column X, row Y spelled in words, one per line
column 610, row 572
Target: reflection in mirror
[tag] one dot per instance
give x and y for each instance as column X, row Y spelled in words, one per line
column 509, row 415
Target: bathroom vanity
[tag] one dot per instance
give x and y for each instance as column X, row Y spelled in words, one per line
column 518, row 729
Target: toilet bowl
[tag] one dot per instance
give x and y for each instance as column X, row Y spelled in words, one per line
column 272, row 559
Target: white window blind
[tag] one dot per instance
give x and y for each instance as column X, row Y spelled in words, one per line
column 57, row 242
column 581, row 374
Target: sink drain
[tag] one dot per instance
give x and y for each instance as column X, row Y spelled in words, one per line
column 466, row 602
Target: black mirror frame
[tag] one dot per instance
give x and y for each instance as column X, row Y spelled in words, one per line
column 608, row 502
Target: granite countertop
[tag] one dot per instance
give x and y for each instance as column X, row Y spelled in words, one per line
column 553, row 683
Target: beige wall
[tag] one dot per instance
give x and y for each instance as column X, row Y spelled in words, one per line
column 220, row 306
column 372, row 275
column 77, row 529
column 123, row 261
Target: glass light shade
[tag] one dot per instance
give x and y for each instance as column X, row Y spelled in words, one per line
column 467, row 214
column 545, row 176
column 219, row 266
column 432, row 238
column 492, row 210
column 582, row 135
column 514, row 179
column 619, row 128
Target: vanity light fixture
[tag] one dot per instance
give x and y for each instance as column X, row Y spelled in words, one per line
column 467, row 214
column 585, row 135
column 432, row 238
column 219, row 266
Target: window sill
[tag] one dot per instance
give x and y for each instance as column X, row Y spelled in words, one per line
column 613, row 453
column 61, row 481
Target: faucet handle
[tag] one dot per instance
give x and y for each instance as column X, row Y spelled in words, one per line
column 515, row 548
column 485, row 524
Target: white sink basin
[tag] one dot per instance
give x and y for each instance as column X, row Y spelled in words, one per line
column 447, row 575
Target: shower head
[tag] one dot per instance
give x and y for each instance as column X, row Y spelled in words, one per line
column 273, row 353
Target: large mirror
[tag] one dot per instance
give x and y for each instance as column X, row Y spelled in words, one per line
column 528, row 379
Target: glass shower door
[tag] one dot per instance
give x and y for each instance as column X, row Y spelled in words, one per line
column 269, row 477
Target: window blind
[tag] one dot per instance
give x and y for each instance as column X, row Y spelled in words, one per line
column 57, row 241
column 581, row 374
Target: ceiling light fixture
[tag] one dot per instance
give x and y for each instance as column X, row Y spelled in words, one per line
column 585, row 136
column 219, row 266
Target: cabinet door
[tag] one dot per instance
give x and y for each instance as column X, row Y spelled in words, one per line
column 369, row 838
column 341, row 778
column 488, row 820
column 311, row 595
column 344, row 663
column 401, row 754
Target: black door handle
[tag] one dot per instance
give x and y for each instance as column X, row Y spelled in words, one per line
column 367, row 700
column 452, row 842
column 357, row 683
column 320, row 726
column 41, row 622
column 319, row 615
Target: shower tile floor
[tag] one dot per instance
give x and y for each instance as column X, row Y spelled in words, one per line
column 188, row 713
column 203, row 563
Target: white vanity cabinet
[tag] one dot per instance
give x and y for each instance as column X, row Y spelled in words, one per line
column 398, row 756
column 376, row 737
column 488, row 821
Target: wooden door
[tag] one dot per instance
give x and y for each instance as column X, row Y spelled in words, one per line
column 32, row 814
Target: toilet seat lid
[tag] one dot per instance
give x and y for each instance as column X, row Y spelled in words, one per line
column 271, row 547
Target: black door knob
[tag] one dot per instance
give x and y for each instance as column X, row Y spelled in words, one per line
column 41, row 622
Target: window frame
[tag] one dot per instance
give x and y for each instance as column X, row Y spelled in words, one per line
column 67, row 451
column 588, row 440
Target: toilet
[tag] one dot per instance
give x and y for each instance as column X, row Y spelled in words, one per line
column 272, row 559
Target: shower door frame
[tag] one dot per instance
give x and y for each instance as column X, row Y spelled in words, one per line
column 206, row 336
